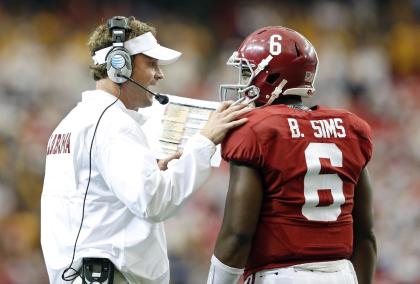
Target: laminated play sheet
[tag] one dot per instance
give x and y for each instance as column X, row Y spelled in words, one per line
column 169, row 126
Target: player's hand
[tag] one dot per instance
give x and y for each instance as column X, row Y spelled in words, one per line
column 223, row 119
column 163, row 163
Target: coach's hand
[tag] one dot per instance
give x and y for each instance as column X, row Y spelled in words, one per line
column 224, row 118
column 163, row 163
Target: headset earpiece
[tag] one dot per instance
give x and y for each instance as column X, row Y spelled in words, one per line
column 118, row 60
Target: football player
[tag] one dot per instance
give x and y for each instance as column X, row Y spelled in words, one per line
column 299, row 205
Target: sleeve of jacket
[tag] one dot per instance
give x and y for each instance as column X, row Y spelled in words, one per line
column 131, row 172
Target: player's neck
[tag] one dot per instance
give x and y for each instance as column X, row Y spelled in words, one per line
column 290, row 100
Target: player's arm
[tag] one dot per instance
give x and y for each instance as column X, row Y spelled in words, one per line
column 242, row 209
column 364, row 251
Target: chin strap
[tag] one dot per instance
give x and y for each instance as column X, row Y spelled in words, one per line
column 276, row 93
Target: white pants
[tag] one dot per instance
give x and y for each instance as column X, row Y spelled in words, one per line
column 330, row 272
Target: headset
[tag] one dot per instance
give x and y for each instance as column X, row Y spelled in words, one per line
column 118, row 60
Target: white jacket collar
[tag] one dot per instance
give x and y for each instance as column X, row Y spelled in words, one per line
column 102, row 97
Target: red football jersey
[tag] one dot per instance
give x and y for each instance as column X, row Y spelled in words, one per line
column 310, row 162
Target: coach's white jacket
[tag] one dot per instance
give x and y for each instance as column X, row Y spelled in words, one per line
column 128, row 196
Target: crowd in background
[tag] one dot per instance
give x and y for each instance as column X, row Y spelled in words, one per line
column 369, row 63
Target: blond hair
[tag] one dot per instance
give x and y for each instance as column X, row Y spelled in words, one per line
column 102, row 38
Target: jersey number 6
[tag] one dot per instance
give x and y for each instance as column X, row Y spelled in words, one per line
column 314, row 181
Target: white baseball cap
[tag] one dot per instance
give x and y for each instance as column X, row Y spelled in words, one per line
column 146, row 44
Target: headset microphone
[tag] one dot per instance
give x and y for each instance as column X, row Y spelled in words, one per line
column 162, row 99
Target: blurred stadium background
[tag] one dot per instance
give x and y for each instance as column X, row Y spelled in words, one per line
column 369, row 63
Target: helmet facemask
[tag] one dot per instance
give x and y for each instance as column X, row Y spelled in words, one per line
column 242, row 90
